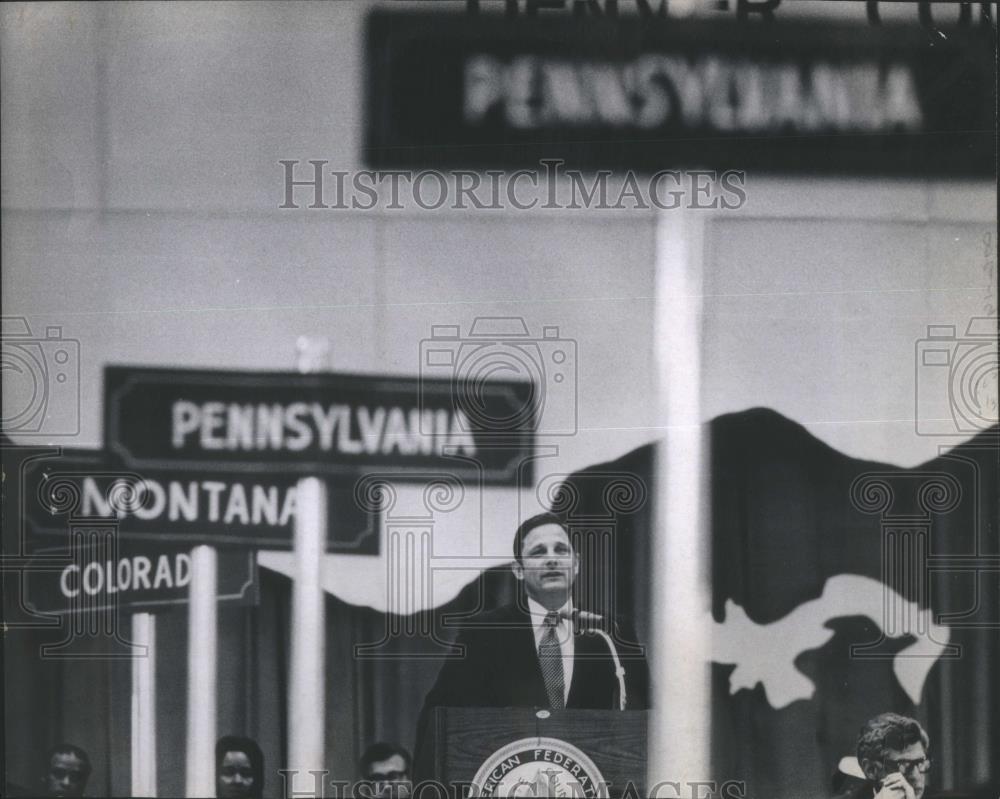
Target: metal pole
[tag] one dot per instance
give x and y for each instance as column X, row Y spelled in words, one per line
column 307, row 692
column 203, row 611
column 144, row 705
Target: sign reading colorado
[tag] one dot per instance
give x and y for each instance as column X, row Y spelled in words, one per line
column 539, row 767
column 94, row 569
column 318, row 423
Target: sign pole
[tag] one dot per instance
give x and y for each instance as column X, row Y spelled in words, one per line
column 307, row 692
column 202, row 650
column 144, row 706
column 679, row 731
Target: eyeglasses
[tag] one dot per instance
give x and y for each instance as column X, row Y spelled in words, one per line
column 904, row 766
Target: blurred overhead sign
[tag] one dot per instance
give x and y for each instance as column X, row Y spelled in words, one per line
column 928, row 12
column 189, row 507
column 318, row 424
column 482, row 91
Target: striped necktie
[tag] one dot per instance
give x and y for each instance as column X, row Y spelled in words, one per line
column 550, row 656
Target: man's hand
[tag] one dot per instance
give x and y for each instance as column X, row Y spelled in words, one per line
column 895, row 787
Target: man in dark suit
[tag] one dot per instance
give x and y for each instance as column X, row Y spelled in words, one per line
column 540, row 651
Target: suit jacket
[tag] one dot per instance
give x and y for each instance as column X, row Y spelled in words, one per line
column 864, row 790
column 498, row 666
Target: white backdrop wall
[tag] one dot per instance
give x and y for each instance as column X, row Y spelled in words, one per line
column 141, row 188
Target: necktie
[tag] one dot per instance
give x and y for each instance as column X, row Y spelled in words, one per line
column 550, row 656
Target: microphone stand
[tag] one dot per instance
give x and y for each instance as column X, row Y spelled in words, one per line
column 588, row 623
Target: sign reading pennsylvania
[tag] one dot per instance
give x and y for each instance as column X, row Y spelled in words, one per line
column 641, row 94
column 191, row 507
column 315, row 424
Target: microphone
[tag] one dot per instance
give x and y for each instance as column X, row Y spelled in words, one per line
column 585, row 619
column 594, row 623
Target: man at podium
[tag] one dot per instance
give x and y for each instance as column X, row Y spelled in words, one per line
column 541, row 651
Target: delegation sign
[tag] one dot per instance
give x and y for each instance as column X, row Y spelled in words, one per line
column 94, row 569
column 227, row 509
column 318, row 424
column 486, row 91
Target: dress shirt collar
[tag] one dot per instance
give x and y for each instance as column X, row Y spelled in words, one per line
column 538, row 613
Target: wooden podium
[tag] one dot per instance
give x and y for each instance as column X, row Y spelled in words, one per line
column 463, row 740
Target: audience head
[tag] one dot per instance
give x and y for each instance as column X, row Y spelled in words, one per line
column 239, row 768
column 387, row 767
column 890, row 744
column 66, row 770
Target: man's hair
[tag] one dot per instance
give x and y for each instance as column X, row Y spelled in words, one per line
column 382, row 750
column 68, row 749
column 249, row 747
column 889, row 731
column 533, row 523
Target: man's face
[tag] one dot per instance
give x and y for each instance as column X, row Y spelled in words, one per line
column 390, row 778
column 66, row 776
column 907, row 763
column 235, row 777
column 548, row 565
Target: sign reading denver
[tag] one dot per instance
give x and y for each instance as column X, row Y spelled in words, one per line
column 315, row 424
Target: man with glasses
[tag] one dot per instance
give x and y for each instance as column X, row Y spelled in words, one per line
column 892, row 751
